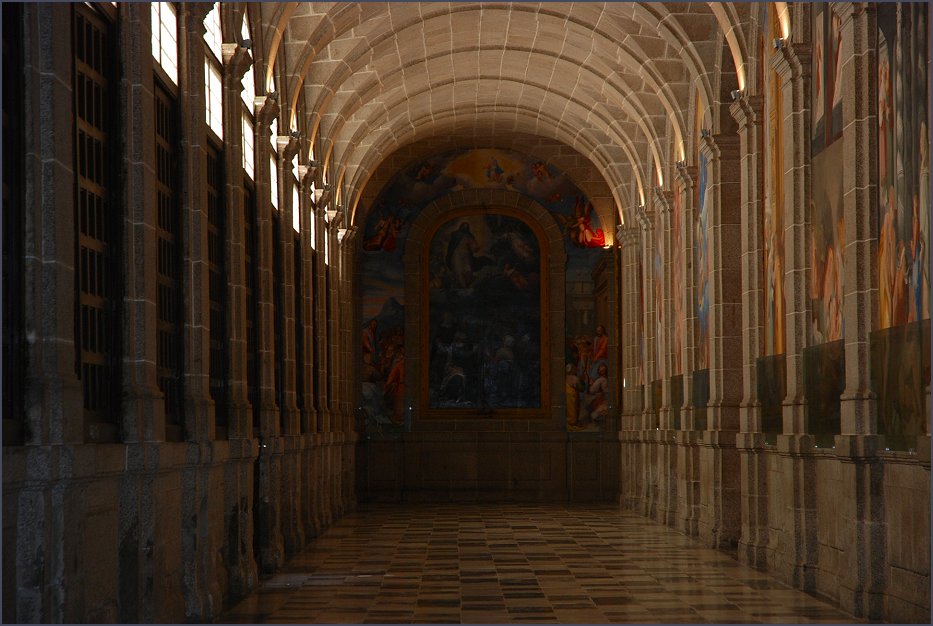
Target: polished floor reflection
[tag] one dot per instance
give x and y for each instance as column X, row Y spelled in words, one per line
column 492, row 563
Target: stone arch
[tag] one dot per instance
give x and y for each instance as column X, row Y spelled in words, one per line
column 421, row 229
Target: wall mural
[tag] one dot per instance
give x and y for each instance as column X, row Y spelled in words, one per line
column 657, row 276
column 677, row 275
column 827, row 247
column 773, row 218
column 701, row 252
column 900, row 348
column 826, row 92
column 484, row 314
column 827, row 241
column 385, row 232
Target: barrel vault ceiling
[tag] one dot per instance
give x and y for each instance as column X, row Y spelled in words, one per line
column 605, row 91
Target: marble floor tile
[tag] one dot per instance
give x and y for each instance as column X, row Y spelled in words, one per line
column 513, row 564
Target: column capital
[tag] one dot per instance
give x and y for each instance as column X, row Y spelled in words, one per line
column 194, row 14
column 237, row 59
column 288, row 146
column 686, row 174
column 793, row 61
column 746, row 111
column 267, row 109
column 664, row 199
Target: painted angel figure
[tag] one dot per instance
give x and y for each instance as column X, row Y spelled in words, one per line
column 580, row 227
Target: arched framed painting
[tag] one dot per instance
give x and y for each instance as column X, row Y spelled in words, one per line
column 485, row 316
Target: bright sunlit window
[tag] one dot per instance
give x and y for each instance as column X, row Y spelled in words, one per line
column 274, row 134
column 165, row 38
column 296, row 209
column 326, row 246
column 249, row 81
column 212, row 32
column 249, row 153
column 312, row 225
column 274, row 181
column 213, row 98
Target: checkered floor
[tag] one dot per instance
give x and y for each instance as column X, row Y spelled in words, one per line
column 492, row 563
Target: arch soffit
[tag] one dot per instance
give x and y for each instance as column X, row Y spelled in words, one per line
column 726, row 17
column 660, row 87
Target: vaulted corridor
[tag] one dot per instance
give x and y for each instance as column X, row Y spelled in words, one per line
column 662, row 268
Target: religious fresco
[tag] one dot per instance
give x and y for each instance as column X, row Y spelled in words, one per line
column 827, row 247
column 484, row 314
column 701, row 253
column 773, row 206
column 827, row 240
column 901, row 345
column 826, row 92
column 903, row 162
column 657, row 278
column 677, row 276
column 382, row 269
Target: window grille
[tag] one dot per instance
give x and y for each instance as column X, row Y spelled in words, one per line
column 169, row 302
column 216, row 237
column 96, row 225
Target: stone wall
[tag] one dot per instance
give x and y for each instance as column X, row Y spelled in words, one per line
column 121, row 523
column 843, row 514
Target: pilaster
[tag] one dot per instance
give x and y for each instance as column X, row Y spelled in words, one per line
column 688, row 460
column 864, row 576
column 798, row 559
column 719, row 520
column 269, row 507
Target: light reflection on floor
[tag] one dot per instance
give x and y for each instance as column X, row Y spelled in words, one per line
column 495, row 563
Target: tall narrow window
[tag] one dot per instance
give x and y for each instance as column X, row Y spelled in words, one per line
column 14, row 216
column 274, row 181
column 278, row 321
column 165, row 38
column 328, row 319
column 97, row 221
column 298, row 299
column 299, row 328
column 169, row 302
column 250, row 253
column 316, row 333
column 216, row 236
column 248, row 94
column 216, row 218
column 213, row 72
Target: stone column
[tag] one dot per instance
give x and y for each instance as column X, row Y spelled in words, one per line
column 753, row 542
column 649, row 425
column 306, row 292
column 863, row 580
column 796, row 562
column 199, row 407
column 271, row 552
column 143, row 403
column 719, row 520
column 238, row 474
column 633, row 397
column 54, row 397
column 667, row 455
column 287, row 149
column 350, row 367
column 688, row 438
column 292, row 484
column 200, row 579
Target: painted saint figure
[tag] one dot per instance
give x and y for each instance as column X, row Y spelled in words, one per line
column 462, row 259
